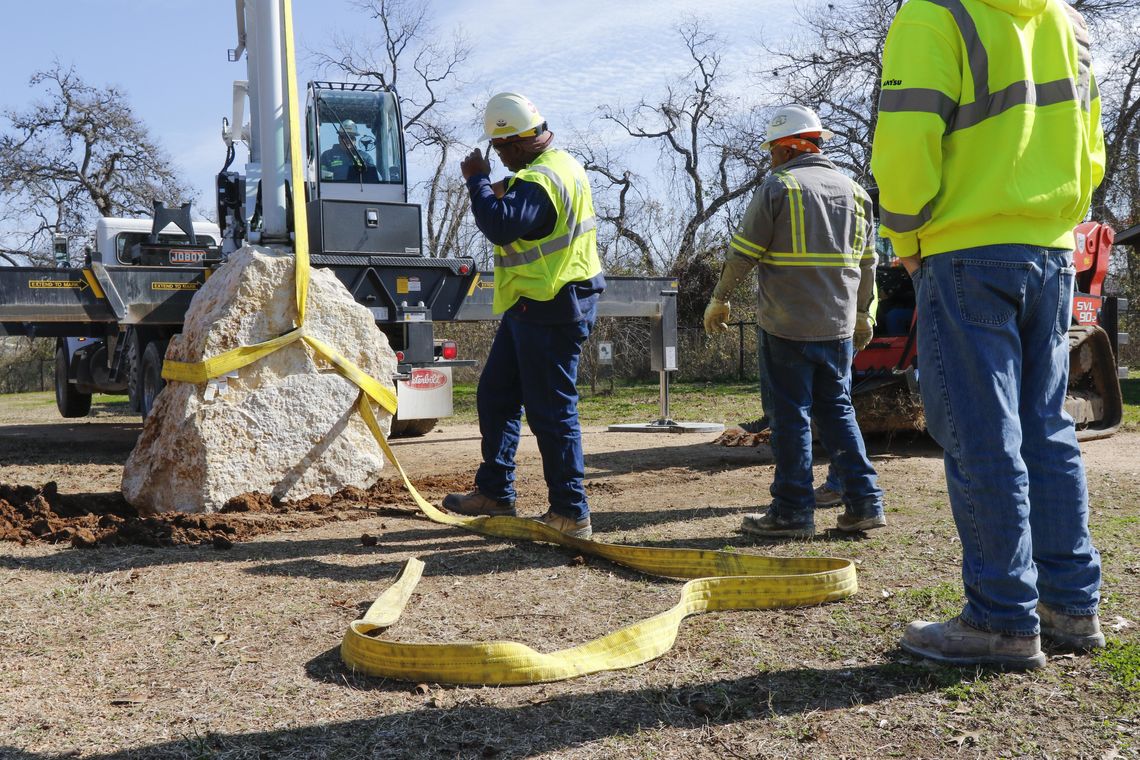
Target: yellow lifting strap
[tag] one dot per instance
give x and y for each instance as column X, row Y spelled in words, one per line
column 720, row 580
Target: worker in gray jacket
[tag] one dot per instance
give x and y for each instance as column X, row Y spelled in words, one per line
column 809, row 232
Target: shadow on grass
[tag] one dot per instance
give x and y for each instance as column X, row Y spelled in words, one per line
column 68, row 443
column 456, row 723
column 444, row 552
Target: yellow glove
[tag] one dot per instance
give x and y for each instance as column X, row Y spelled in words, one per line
column 716, row 317
column 864, row 329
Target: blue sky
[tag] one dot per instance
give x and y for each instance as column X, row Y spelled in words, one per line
column 170, row 55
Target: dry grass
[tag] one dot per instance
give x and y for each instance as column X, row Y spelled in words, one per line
column 190, row 652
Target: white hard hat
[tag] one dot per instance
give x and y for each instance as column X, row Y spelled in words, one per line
column 348, row 127
column 793, row 120
column 509, row 114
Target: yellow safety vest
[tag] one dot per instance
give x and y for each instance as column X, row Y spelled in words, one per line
column 538, row 269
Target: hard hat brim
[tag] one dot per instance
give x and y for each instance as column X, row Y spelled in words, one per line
column 824, row 134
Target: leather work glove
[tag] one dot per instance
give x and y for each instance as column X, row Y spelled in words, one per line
column 716, row 317
column 864, row 328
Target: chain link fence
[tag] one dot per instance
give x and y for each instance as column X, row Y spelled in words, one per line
column 26, row 365
column 731, row 356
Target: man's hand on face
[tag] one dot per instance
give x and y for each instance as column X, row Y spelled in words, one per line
column 474, row 163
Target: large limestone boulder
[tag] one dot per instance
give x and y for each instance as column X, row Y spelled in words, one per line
column 285, row 425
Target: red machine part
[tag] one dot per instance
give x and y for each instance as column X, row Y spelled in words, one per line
column 1093, row 248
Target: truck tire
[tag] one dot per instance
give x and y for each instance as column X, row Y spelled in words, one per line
column 151, row 375
column 411, row 428
column 69, row 401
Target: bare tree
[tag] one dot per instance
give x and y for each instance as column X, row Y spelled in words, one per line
column 81, row 152
column 708, row 151
column 1117, row 200
column 627, row 214
column 408, row 55
column 835, row 66
column 708, row 147
column 1101, row 12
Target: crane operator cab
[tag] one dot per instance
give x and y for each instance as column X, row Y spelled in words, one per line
column 357, row 193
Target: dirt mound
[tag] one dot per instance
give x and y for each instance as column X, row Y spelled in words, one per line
column 42, row 514
column 737, row 436
column 888, row 410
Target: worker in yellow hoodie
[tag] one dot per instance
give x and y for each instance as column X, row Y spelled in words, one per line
column 987, row 150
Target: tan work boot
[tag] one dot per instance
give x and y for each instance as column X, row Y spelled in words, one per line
column 855, row 524
column 568, row 525
column 1079, row 633
column 474, row 504
column 825, row 498
column 958, row 643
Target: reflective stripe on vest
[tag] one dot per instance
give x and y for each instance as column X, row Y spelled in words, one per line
column 799, row 255
column 986, row 105
column 522, row 252
column 905, row 222
column 795, row 211
column 745, row 246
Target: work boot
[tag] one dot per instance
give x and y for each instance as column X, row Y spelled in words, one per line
column 568, row 525
column 825, row 498
column 955, row 642
column 755, row 426
column 852, row 523
column 1079, row 633
column 772, row 525
column 475, row 504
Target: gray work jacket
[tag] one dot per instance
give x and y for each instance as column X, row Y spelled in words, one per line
column 809, row 230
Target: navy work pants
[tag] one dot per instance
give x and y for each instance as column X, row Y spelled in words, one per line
column 534, row 367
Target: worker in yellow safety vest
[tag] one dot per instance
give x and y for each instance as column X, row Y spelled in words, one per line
column 547, row 282
column 987, row 150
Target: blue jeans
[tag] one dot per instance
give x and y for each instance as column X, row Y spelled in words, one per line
column 534, row 366
column 834, row 480
column 993, row 355
column 810, row 380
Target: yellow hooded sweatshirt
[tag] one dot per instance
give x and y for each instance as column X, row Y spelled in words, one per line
column 989, row 125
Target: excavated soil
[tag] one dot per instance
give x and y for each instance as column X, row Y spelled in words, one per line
column 31, row 514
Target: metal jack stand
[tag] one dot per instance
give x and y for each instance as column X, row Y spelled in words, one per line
column 664, row 423
column 663, row 358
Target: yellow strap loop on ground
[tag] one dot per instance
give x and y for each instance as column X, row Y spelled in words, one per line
column 721, row 580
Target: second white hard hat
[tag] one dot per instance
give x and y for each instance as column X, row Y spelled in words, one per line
column 509, row 114
column 793, row 120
